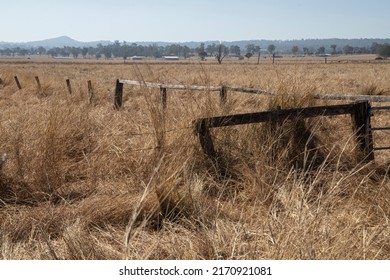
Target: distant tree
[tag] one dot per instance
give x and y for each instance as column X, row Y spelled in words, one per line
column 41, row 50
column 250, row 48
column 295, row 50
column 107, row 52
column 202, row 55
column 306, row 51
column 248, row 55
column 98, row 55
column 84, row 52
column 271, row 48
column 126, row 51
column 186, row 52
column 374, row 48
column 384, row 50
column 333, row 47
column 223, row 51
column 92, row 51
column 234, row 49
column 75, row 52
column 53, row 52
column 200, row 48
column 348, row 49
column 211, row 49
column 321, row 50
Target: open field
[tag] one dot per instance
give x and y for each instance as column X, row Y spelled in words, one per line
column 83, row 181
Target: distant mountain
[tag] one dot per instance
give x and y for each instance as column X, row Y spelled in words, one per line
column 54, row 42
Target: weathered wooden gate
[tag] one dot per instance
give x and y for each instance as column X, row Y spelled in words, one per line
column 359, row 111
column 379, row 129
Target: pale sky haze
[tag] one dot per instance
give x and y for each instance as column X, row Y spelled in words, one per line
column 199, row 20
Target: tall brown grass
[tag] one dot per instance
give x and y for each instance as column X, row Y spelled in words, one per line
column 83, row 181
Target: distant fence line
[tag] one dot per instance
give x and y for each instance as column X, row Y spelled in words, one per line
column 68, row 86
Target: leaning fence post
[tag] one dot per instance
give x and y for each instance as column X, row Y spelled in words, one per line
column 163, row 97
column 69, row 86
column 118, row 95
column 38, row 82
column 223, row 96
column 17, row 82
column 362, row 124
column 205, row 139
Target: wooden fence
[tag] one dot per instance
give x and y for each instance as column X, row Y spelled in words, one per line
column 164, row 87
column 223, row 92
column 360, row 113
column 68, row 86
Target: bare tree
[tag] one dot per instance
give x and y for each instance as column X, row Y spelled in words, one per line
column 223, row 51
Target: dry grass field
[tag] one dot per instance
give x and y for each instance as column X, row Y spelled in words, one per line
column 83, row 181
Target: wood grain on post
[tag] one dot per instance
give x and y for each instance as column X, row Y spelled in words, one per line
column 17, row 82
column 118, row 95
column 69, row 86
column 90, row 92
column 205, row 139
column 362, row 124
column 163, row 97
column 223, row 96
column 38, row 82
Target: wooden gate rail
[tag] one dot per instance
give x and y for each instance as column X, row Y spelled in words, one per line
column 380, row 128
column 372, row 98
column 359, row 112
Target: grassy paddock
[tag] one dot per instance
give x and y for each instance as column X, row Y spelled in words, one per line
column 83, row 181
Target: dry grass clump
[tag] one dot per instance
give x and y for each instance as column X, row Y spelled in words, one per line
column 83, row 181
column 373, row 90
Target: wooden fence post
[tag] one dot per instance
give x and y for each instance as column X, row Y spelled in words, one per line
column 223, row 96
column 362, row 124
column 163, row 97
column 118, row 95
column 90, row 92
column 38, row 82
column 205, row 139
column 69, row 86
column 17, row 82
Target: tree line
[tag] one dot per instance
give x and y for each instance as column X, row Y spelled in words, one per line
column 219, row 51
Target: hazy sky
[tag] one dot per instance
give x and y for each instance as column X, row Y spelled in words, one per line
column 196, row 20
